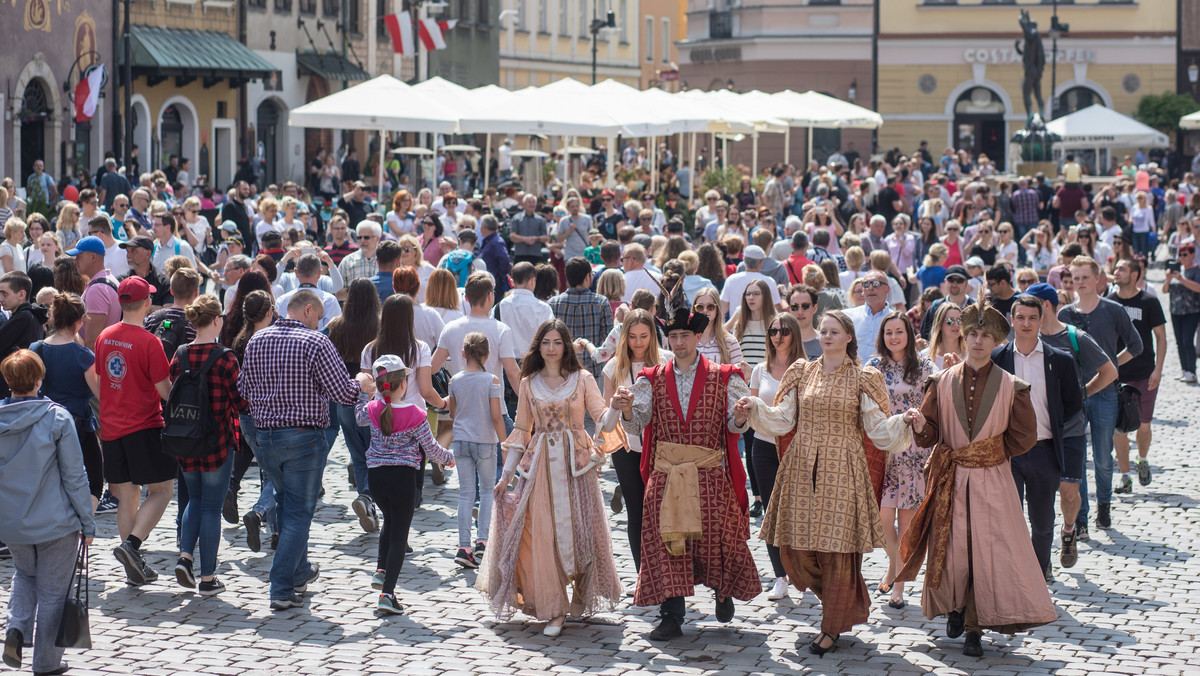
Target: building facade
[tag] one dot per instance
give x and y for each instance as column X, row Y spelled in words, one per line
column 663, row 25
column 950, row 73
column 547, row 40
column 49, row 45
column 773, row 45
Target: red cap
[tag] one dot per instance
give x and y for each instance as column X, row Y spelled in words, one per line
column 608, row 193
column 134, row 289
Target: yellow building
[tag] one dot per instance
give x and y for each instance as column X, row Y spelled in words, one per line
column 950, row 73
column 188, row 71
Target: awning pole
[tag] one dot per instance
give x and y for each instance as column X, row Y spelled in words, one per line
column 810, row 149
column 754, row 159
column 653, row 162
column 487, row 163
column 692, row 171
column 611, row 142
column 382, row 155
column 787, row 145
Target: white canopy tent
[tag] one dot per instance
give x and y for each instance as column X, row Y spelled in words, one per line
column 1099, row 127
column 1190, row 122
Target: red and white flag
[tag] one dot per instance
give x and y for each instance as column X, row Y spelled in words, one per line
column 400, row 26
column 87, row 94
column 433, row 32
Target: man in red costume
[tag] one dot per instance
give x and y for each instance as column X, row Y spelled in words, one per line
column 696, row 520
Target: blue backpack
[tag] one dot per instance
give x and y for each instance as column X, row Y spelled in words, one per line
column 461, row 263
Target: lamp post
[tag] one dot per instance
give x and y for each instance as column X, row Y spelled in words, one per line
column 597, row 25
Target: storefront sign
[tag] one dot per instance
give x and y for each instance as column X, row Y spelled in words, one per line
column 718, row 54
column 1002, row 55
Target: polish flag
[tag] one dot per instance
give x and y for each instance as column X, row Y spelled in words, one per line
column 400, row 28
column 433, row 33
column 87, row 94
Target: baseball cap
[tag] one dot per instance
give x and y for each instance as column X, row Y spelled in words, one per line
column 91, row 244
column 235, row 240
column 593, row 231
column 389, row 363
column 754, row 253
column 229, row 226
column 608, row 193
column 974, row 262
column 140, row 242
column 134, row 289
column 1043, row 291
column 956, row 271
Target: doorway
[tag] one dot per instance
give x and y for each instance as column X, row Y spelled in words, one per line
column 267, row 126
column 979, row 126
column 35, row 110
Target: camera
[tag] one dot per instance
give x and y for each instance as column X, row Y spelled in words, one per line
column 1173, row 266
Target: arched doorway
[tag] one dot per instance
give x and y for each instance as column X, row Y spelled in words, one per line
column 1075, row 98
column 143, row 132
column 267, row 147
column 979, row 124
column 171, row 134
column 34, row 114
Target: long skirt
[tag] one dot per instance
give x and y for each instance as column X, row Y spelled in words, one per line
column 836, row 578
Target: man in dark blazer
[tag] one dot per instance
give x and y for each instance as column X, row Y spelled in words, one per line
column 1056, row 396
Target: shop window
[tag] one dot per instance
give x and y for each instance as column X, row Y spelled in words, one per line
column 649, row 38
column 308, row 6
column 1075, row 98
column 332, row 7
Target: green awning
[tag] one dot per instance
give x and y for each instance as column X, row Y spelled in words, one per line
column 330, row 66
column 163, row 52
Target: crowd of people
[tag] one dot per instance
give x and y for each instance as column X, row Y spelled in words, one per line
column 834, row 351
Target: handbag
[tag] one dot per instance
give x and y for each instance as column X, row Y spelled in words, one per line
column 441, row 382
column 1129, row 415
column 73, row 630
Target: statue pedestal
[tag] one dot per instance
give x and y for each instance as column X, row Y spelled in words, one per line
column 1050, row 169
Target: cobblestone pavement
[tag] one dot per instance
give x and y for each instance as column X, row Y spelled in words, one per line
column 1130, row 606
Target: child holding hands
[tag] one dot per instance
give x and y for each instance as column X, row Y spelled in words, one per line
column 400, row 440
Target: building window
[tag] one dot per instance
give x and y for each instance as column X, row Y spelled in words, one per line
column 564, row 8
column 381, row 11
column 522, row 16
column 824, row 2
column 720, row 25
column 543, row 16
column 464, row 10
column 666, row 40
column 283, row 6
column 1075, row 98
column 332, row 7
column 354, row 16
column 308, row 6
column 257, row 4
column 584, row 17
column 483, row 14
column 623, row 21
column 649, row 38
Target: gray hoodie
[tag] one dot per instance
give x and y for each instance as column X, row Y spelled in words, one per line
column 43, row 487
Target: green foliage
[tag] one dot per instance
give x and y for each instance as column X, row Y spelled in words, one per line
column 1162, row 111
column 727, row 180
column 37, row 201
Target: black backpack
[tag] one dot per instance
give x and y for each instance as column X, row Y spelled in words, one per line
column 190, row 431
column 171, row 332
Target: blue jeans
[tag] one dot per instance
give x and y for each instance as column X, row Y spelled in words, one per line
column 332, row 430
column 476, row 476
column 357, row 440
column 1185, row 339
column 1102, row 418
column 202, row 516
column 265, row 505
column 1141, row 243
column 293, row 460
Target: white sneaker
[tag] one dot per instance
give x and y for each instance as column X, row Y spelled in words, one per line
column 780, row 590
column 1189, row 377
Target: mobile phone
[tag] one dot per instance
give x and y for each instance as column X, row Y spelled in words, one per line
column 1173, row 266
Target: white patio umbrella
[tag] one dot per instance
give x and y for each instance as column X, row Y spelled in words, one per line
column 1190, row 122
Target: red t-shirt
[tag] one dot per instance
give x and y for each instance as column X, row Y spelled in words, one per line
column 129, row 361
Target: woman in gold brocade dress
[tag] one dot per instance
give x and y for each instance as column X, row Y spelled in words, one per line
column 823, row 514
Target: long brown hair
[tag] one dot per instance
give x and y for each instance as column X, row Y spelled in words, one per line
column 935, row 333
column 912, row 365
column 768, row 309
column 67, row 278
column 396, row 334
column 534, row 362
column 442, row 292
column 359, row 322
column 624, row 356
column 255, row 306
column 251, row 281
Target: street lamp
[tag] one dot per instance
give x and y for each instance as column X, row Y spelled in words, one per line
column 597, row 25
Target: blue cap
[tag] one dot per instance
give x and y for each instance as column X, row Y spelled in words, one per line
column 90, row 243
column 1043, row 291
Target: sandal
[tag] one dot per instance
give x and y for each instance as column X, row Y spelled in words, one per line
column 882, row 588
column 816, row 648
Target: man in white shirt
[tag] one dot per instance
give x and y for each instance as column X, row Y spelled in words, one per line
column 114, row 256
column 167, row 245
column 502, row 356
column 636, row 274
column 308, row 274
column 868, row 317
column 439, row 204
column 735, row 284
column 521, row 311
column 504, row 159
column 573, row 230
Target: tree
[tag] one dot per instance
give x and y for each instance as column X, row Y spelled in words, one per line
column 1162, row 111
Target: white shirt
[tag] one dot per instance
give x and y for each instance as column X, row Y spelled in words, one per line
column 1032, row 369
column 500, row 343
column 639, row 279
column 735, row 286
column 522, row 312
column 173, row 247
column 115, row 260
column 264, row 227
column 440, row 209
column 427, row 324
column 1107, row 235
column 330, row 301
column 412, row 393
column 762, row 380
column 866, row 328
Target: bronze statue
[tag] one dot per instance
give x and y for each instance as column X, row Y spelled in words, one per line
column 1034, row 56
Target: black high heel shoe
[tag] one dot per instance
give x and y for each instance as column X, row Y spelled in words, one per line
column 756, row 509
column 816, row 648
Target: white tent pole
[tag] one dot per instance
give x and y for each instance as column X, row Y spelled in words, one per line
column 653, row 162
column 692, row 171
column 610, row 144
column 810, row 149
column 487, row 163
column 787, row 145
column 724, row 151
column 382, row 155
column 754, row 158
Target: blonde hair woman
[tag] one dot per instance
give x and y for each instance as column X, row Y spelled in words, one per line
column 443, row 295
column 198, row 232
column 12, row 256
column 855, row 258
column 715, row 344
column 611, row 285
column 946, row 344
column 412, row 256
column 67, row 228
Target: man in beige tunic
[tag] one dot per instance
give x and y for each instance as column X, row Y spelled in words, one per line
column 981, row 572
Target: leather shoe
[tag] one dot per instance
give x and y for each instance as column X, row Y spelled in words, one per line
column 815, row 647
column 13, row 640
column 667, row 629
column 756, row 509
column 62, row 669
column 725, row 609
column 954, row 624
column 973, row 646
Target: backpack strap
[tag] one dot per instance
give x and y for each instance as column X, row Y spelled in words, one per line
column 1073, row 334
column 218, row 352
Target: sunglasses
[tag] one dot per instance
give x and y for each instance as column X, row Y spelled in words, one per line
column 779, row 331
column 605, row 199
column 705, row 307
column 408, row 249
column 955, row 280
column 366, row 237
column 803, row 306
column 872, row 284
column 953, row 230
column 953, row 322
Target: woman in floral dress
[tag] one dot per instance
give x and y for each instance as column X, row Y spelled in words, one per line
column 904, row 375
column 551, row 535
